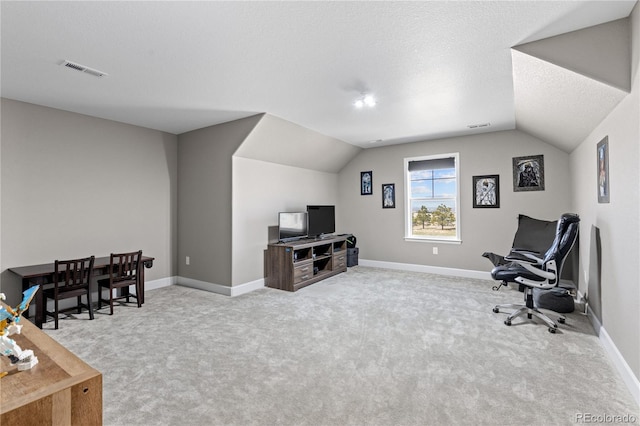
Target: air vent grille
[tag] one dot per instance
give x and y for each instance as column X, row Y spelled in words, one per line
column 85, row 69
column 475, row 126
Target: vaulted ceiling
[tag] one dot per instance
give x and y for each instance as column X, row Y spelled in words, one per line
column 436, row 69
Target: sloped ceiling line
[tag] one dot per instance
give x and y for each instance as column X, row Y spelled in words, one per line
column 564, row 86
column 279, row 141
column 601, row 52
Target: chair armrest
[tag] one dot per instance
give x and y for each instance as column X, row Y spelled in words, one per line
column 539, row 272
column 520, row 256
column 545, row 285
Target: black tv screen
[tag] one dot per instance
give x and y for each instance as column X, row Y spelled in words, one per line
column 322, row 220
column 292, row 225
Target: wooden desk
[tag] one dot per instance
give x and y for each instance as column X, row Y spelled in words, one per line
column 43, row 274
column 60, row 390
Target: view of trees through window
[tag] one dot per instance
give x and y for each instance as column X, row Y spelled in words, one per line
column 432, row 185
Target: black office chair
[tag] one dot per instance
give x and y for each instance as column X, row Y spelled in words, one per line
column 543, row 273
column 533, row 235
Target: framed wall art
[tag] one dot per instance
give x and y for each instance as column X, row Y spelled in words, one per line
column 388, row 195
column 366, row 183
column 603, row 170
column 486, row 191
column 528, row 173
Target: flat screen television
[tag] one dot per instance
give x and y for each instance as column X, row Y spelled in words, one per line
column 292, row 226
column 322, row 220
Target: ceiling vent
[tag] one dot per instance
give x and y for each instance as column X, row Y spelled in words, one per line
column 475, row 126
column 85, row 69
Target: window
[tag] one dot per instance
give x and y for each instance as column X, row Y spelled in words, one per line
column 432, row 197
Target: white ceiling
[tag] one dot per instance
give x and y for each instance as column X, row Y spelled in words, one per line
column 434, row 67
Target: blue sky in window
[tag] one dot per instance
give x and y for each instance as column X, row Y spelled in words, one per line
column 435, row 187
column 441, row 188
column 433, row 174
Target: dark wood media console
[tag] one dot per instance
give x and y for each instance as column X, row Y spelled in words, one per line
column 293, row 265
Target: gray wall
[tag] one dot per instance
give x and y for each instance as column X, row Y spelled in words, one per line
column 74, row 185
column 617, row 221
column 380, row 232
column 205, row 197
column 262, row 189
column 233, row 179
column 281, row 166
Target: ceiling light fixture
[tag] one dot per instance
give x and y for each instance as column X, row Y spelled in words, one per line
column 365, row 100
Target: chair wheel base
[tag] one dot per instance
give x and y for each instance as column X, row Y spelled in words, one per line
column 561, row 320
column 552, row 330
column 496, row 310
column 507, row 322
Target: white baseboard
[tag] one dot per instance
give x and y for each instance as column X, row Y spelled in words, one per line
column 621, row 365
column 162, row 282
column 236, row 290
column 627, row 375
column 204, row 285
column 595, row 322
column 464, row 273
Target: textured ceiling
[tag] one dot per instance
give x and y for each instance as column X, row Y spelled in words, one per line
column 435, row 67
column 558, row 105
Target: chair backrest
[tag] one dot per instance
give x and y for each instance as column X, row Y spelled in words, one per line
column 534, row 234
column 125, row 266
column 73, row 273
column 566, row 235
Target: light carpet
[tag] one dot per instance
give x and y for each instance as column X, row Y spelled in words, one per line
column 367, row 347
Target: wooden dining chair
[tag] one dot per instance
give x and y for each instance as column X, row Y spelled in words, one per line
column 124, row 272
column 72, row 278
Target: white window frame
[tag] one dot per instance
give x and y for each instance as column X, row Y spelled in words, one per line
column 407, row 201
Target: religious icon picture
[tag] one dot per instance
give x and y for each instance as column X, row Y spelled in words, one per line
column 366, row 183
column 388, row 195
column 486, row 191
column 603, row 170
column 528, row 173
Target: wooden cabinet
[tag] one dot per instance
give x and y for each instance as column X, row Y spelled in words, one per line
column 60, row 390
column 293, row 265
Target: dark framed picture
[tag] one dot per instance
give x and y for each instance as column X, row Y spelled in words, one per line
column 603, row 170
column 366, row 183
column 388, row 195
column 528, row 173
column 486, row 191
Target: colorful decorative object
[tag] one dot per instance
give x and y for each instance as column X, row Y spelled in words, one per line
column 9, row 319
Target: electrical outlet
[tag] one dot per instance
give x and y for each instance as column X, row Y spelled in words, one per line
column 435, row 250
column 187, row 260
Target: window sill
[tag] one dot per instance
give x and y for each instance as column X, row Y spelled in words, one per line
column 433, row 240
